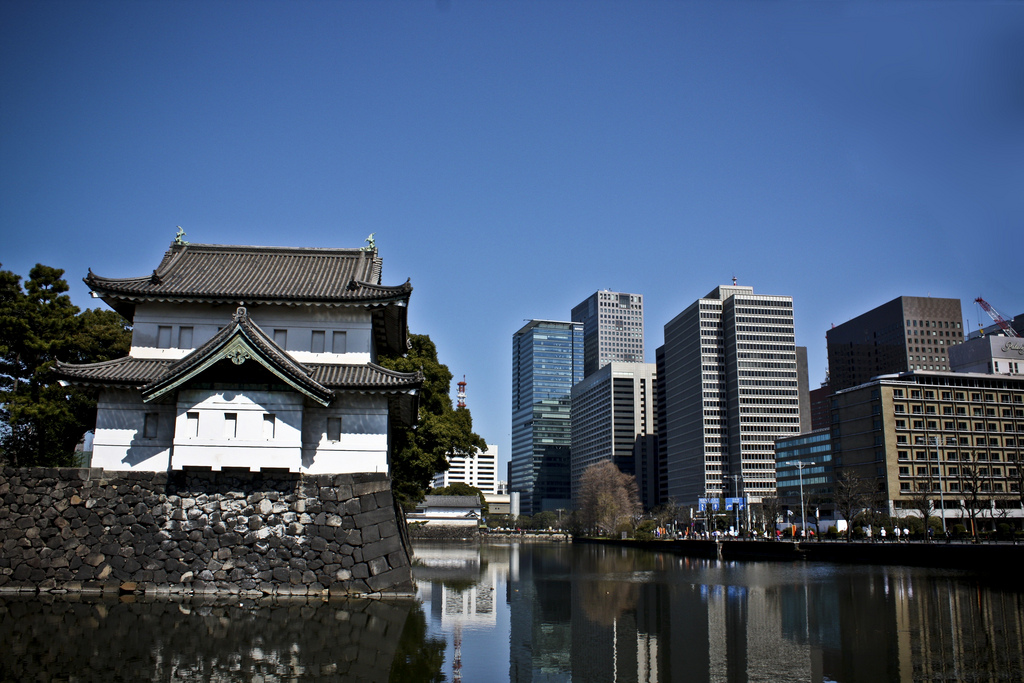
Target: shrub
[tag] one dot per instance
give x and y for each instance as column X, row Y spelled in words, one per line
column 645, row 532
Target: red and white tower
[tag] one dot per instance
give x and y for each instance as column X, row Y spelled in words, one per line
column 462, row 393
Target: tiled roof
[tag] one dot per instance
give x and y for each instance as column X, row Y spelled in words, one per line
column 250, row 274
column 369, row 376
column 451, row 501
column 127, row 371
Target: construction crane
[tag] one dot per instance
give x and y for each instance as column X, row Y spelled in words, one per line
column 1000, row 320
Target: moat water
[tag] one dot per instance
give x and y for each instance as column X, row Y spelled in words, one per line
column 549, row 612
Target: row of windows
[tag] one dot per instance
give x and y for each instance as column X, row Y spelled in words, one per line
column 229, row 426
column 975, row 396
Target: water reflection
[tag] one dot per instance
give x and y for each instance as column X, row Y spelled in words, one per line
column 548, row 612
column 598, row 613
column 69, row 639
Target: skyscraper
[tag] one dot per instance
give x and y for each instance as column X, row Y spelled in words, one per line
column 613, row 329
column 547, row 360
column 614, row 417
column 731, row 388
column 907, row 333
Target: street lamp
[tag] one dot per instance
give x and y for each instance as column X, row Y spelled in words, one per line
column 800, row 465
column 736, row 487
column 936, row 441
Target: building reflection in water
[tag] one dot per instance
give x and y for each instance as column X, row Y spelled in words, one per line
column 544, row 613
column 600, row 613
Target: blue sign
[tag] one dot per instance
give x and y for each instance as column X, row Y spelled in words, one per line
column 704, row 503
column 740, row 503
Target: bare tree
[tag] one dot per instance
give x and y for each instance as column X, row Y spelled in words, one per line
column 771, row 508
column 973, row 478
column 921, row 499
column 608, row 498
column 852, row 495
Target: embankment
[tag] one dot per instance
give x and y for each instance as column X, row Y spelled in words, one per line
column 90, row 530
column 995, row 557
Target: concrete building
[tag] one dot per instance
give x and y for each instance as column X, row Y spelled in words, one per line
column 820, row 400
column 957, row 438
column 731, row 387
column 252, row 358
column 907, row 333
column 547, row 360
column 614, row 417
column 479, row 470
column 613, row 329
column 992, row 354
column 803, row 464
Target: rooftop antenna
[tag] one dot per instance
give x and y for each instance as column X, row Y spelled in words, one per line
column 733, row 280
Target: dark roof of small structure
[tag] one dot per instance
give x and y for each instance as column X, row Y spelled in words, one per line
column 253, row 275
column 451, row 502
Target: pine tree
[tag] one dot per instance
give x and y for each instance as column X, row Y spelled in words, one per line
column 41, row 421
column 442, row 431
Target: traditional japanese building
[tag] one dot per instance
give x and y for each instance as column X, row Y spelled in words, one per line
column 255, row 358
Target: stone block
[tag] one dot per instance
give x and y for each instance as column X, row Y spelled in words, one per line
column 377, row 516
column 377, row 565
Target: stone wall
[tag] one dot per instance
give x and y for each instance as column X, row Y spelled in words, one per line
column 93, row 530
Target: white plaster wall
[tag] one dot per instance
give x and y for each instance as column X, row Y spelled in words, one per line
column 249, row 446
column 119, row 442
column 364, row 436
column 300, row 322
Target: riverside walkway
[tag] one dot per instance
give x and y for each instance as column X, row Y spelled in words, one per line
column 983, row 556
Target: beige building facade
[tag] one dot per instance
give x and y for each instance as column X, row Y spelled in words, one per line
column 955, row 438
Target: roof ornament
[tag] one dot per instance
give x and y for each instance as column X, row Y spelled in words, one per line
column 179, row 239
column 237, row 356
column 371, row 245
column 240, row 315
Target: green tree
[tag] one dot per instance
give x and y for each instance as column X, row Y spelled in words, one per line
column 41, row 421
column 442, row 431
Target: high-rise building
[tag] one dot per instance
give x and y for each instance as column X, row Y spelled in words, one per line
column 614, row 417
column 613, row 329
column 479, row 470
column 547, row 360
column 907, row 333
column 731, row 387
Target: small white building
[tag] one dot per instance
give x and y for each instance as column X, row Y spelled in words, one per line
column 253, row 358
column 478, row 469
column 993, row 354
column 448, row 511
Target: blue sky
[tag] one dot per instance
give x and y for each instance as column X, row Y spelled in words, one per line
column 514, row 157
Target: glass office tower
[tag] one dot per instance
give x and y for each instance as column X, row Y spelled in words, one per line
column 547, row 360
